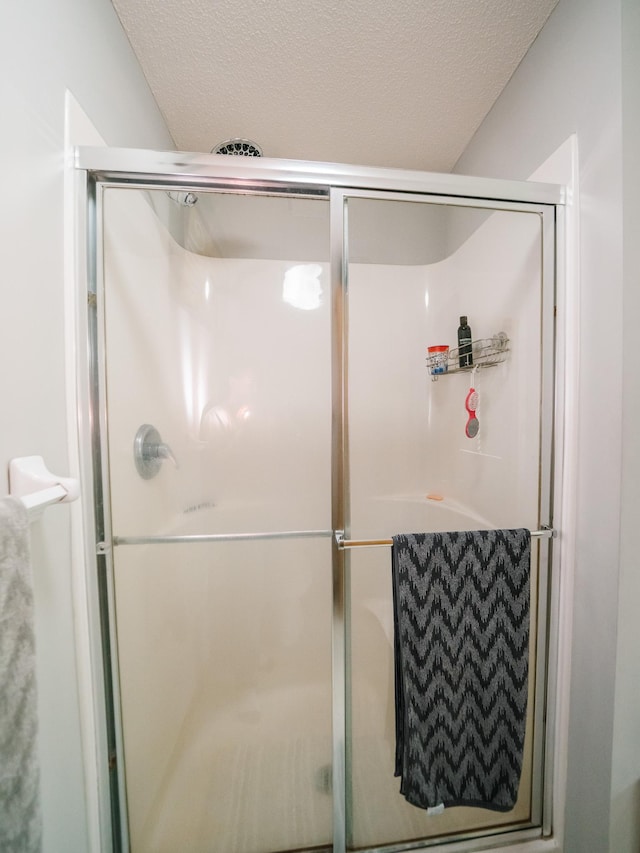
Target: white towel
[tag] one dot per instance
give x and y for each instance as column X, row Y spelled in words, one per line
column 20, row 816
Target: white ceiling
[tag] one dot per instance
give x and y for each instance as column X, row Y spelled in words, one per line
column 373, row 82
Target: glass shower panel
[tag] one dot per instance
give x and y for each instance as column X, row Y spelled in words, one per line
column 413, row 270
column 217, row 335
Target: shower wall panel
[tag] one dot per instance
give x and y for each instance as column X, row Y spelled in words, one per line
column 413, row 427
column 235, row 379
column 389, row 450
column 494, row 278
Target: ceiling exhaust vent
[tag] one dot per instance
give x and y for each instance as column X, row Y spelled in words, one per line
column 238, row 147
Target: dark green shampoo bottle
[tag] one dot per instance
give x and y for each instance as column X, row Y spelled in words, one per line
column 465, row 347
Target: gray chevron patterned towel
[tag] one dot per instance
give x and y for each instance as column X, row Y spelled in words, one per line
column 461, row 623
column 20, row 818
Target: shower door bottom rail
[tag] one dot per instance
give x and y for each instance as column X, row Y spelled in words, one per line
column 191, row 538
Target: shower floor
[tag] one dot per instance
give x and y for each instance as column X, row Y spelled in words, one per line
column 237, row 792
column 275, row 795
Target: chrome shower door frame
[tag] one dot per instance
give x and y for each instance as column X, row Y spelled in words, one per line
column 100, row 168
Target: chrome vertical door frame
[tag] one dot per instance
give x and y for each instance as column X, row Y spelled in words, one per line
column 100, row 772
column 339, row 490
column 103, row 534
column 549, row 578
column 545, row 691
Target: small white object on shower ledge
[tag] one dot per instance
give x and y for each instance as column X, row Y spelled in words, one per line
column 31, row 481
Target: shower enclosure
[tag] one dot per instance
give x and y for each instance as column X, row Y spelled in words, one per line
column 262, row 420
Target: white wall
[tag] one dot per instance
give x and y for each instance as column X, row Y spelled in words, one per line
column 571, row 81
column 625, row 789
column 47, row 47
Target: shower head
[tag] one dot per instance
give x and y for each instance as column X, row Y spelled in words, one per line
column 239, row 147
column 184, row 199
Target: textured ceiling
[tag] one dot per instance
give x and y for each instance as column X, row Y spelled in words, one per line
column 375, row 82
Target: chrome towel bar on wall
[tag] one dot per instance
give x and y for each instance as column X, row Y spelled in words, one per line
column 31, row 481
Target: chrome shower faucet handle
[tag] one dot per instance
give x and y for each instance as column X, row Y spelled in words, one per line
column 149, row 452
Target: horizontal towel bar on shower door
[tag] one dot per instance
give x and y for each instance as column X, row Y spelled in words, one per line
column 219, row 537
column 344, row 544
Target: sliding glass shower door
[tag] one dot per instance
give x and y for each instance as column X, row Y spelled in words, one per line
column 413, row 464
column 217, row 335
column 267, row 417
